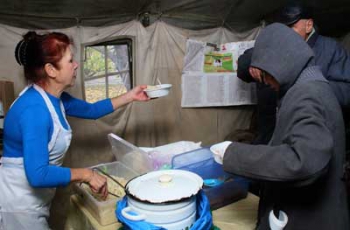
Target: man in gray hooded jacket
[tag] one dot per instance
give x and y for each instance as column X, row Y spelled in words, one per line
column 301, row 168
column 333, row 59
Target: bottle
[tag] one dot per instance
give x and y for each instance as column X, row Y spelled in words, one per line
column 2, row 114
column 1, row 110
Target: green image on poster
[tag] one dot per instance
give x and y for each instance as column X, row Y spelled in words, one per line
column 218, row 62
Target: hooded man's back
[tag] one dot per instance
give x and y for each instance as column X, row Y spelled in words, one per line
column 302, row 166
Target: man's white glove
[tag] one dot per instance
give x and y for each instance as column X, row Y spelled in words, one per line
column 218, row 150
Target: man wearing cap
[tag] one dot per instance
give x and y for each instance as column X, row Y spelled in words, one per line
column 330, row 56
column 301, row 168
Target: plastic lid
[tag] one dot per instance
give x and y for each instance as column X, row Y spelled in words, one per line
column 130, row 155
column 165, row 186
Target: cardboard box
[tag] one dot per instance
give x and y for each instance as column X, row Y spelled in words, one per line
column 7, row 94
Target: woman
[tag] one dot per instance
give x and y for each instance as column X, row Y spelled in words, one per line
column 37, row 134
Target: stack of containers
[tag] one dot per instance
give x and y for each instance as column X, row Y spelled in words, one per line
column 220, row 187
column 130, row 163
column 103, row 210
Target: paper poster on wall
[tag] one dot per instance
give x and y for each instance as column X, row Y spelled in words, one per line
column 203, row 90
column 217, row 62
column 210, row 76
column 193, row 61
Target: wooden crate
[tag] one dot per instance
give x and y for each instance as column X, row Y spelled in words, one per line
column 7, row 94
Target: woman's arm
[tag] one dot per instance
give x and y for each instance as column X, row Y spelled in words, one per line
column 40, row 173
column 136, row 94
column 79, row 108
column 35, row 135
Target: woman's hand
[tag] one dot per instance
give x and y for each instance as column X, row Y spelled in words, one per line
column 137, row 93
column 98, row 184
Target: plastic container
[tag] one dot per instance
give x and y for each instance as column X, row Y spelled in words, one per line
column 104, row 211
column 161, row 156
column 144, row 160
column 130, row 155
column 201, row 161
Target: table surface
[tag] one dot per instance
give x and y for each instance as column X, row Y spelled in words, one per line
column 240, row 215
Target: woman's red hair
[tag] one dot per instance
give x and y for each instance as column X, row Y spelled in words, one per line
column 39, row 50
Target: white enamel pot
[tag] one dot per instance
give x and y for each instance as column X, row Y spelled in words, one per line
column 182, row 224
column 165, row 198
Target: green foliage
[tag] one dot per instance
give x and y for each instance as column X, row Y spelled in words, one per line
column 94, row 64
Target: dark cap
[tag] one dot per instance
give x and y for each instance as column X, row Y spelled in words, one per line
column 243, row 65
column 292, row 13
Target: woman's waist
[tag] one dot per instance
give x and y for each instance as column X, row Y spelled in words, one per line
column 11, row 161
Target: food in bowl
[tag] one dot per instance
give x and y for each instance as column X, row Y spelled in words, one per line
column 154, row 91
column 153, row 87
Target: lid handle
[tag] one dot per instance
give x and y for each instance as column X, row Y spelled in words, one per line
column 165, row 178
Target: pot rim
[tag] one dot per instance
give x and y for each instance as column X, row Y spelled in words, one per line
column 184, row 199
column 196, row 187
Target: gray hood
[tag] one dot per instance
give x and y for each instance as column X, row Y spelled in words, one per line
column 282, row 53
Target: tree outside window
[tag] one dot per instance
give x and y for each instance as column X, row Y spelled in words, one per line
column 107, row 69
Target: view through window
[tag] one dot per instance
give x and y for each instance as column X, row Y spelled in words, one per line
column 107, row 69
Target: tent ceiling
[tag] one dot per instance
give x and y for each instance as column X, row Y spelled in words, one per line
column 331, row 15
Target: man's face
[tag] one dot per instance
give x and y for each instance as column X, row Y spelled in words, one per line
column 303, row 27
column 267, row 79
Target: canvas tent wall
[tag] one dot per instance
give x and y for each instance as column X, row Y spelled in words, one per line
column 160, row 49
column 237, row 15
column 159, row 52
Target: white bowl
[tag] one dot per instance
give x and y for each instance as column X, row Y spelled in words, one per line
column 158, row 90
column 218, row 151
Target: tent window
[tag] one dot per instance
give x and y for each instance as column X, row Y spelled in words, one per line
column 107, row 69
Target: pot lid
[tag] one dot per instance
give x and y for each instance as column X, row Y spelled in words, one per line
column 165, row 186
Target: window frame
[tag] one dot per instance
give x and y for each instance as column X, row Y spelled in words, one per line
column 122, row 40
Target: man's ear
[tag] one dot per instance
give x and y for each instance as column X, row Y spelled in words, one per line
column 309, row 25
column 50, row 70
